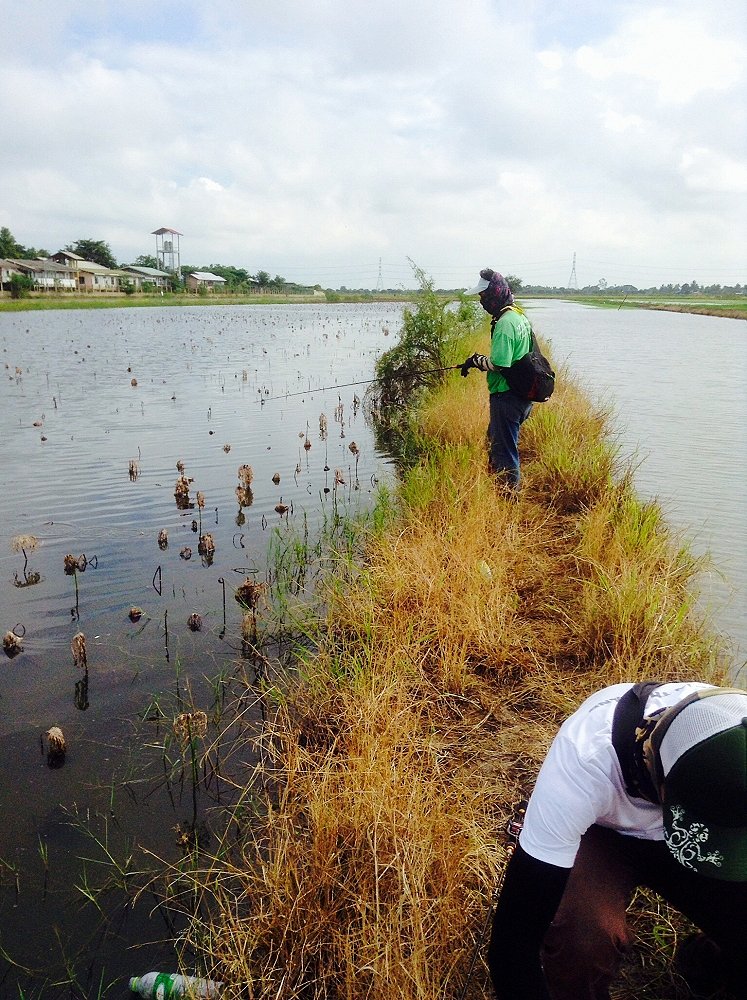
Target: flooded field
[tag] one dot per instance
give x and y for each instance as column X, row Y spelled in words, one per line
column 127, row 515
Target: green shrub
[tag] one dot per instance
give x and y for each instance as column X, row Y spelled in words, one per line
column 21, row 286
column 425, row 349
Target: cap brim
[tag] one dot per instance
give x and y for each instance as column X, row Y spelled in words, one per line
column 481, row 285
column 714, row 851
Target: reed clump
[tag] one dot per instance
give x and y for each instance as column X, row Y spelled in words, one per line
column 440, row 672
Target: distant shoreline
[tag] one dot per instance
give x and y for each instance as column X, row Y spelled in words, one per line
column 45, row 301
column 728, row 313
column 730, row 309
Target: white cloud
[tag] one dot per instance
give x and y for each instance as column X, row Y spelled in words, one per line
column 207, row 185
column 706, row 170
column 680, row 55
column 551, row 59
column 521, row 183
column 616, row 121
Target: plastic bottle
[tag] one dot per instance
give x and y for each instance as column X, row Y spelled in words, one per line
column 165, row 985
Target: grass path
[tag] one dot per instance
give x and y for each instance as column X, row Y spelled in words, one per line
column 444, row 663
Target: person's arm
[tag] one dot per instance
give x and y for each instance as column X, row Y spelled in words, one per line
column 529, row 899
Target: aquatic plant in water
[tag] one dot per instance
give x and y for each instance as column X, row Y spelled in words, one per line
column 206, row 546
column 78, row 649
column 25, row 544
column 12, row 644
column 56, row 747
column 181, row 493
column 250, row 593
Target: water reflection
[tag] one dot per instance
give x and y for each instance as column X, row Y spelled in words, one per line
column 80, row 698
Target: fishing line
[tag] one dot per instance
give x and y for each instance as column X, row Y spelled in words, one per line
column 369, row 381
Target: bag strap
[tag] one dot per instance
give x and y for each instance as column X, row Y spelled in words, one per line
column 628, row 738
column 494, row 319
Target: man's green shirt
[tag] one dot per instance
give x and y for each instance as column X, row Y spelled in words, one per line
column 512, row 339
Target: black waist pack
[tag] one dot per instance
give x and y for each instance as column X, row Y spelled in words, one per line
column 531, row 377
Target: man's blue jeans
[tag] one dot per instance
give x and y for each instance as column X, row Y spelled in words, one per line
column 507, row 413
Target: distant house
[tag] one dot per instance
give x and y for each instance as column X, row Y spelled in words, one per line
column 90, row 277
column 97, row 278
column 146, row 275
column 204, row 279
column 68, row 257
column 48, row 275
column 7, row 269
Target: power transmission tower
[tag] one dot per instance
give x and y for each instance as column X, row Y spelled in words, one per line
column 573, row 280
column 380, row 280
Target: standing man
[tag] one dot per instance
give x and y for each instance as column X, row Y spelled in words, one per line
column 644, row 785
column 510, row 339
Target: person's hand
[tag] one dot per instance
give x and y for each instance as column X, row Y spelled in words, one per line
column 479, row 361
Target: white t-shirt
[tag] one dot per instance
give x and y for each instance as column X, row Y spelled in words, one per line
column 580, row 782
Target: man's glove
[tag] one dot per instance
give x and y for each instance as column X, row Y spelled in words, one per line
column 478, row 361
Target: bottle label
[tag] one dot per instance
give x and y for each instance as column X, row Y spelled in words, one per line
column 163, row 986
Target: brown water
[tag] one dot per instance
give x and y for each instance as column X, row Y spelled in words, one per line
column 89, row 467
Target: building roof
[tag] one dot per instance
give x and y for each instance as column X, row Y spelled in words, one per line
column 206, row 276
column 165, row 229
column 93, row 267
column 42, row 265
column 70, row 254
column 147, row 272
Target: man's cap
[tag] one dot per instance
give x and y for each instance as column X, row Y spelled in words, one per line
column 485, row 275
column 703, row 756
column 481, row 285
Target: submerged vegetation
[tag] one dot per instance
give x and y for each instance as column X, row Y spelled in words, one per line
column 449, row 641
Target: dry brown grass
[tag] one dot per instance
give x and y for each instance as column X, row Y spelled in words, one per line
column 392, row 761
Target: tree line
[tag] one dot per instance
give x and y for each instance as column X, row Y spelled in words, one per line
column 238, row 279
column 99, row 252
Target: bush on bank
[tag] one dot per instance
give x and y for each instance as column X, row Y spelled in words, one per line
column 367, row 845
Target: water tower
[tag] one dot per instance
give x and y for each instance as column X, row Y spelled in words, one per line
column 167, row 249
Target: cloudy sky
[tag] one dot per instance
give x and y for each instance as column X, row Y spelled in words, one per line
column 332, row 141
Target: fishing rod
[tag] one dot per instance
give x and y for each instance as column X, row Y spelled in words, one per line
column 348, row 385
column 513, row 829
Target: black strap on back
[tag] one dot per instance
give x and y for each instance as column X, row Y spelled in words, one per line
column 628, row 739
column 494, row 319
column 532, row 342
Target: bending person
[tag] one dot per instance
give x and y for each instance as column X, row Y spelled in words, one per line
column 644, row 785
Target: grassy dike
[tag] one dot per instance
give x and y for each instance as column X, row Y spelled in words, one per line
column 366, row 848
